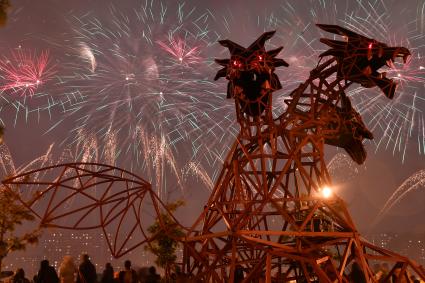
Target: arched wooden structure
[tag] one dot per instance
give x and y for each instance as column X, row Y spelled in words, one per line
column 85, row 196
column 269, row 217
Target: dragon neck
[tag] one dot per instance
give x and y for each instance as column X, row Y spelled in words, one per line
column 323, row 86
column 252, row 127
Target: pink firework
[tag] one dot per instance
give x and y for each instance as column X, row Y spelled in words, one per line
column 410, row 72
column 24, row 71
column 180, row 51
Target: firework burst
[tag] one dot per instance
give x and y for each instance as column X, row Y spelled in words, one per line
column 23, row 72
column 181, row 53
column 148, row 72
column 400, row 122
column 412, row 183
column 145, row 80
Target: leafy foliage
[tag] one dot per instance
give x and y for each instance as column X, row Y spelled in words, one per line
column 166, row 232
column 4, row 6
column 1, row 134
column 13, row 215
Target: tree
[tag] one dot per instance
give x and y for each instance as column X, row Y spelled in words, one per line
column 1, row 134
column 12, row 215
column 4, row 6
column 166, row 233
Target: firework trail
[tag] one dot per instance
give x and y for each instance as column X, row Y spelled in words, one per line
column 414, row 182
column 342, row 168
column 193, row 169
column 158, row 158
column 137, row 83
column 397, row 123
column 8, row 167
column 88, row 56
column 146, row 84
column 400, row 122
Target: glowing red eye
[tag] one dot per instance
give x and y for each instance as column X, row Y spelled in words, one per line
column 370, row 45
column 237, row 64
column 260, row 57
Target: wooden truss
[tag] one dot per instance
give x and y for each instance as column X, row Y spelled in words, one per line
column 267, row 219
column 84, row 196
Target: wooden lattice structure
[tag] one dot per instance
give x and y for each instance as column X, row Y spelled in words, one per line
column 268, row 218
column 86, row 196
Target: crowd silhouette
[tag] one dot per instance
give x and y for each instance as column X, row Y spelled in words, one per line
column 68, row 272
column 86, row 272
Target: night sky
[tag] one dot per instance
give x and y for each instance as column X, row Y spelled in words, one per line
column 111, row 74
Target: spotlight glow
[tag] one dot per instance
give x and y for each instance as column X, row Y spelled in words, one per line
column 326, row 192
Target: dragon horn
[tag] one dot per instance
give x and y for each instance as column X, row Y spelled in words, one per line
column 233, row 47
column 338, row 30
column 259, row 43
column 220, row 74
column 222, row 62
column 277, row 62
column 274, row 52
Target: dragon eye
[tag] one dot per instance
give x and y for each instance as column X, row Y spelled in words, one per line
column 370, row 45
column 237, row 63
column 260, row 57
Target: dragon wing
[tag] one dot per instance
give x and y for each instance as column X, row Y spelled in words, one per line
column 82, row 196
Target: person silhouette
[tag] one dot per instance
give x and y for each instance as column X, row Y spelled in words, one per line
column 128, row 275
column 108, row 274
column 19, row 277
column 152, row 277
column 47, row 273
column 86, row 270
column 67, row 270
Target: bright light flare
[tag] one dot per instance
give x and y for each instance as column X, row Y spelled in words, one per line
column 326, row 192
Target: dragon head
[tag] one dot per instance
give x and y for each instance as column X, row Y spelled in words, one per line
column 351, row 131
column 250, row 72
column 359, row 58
